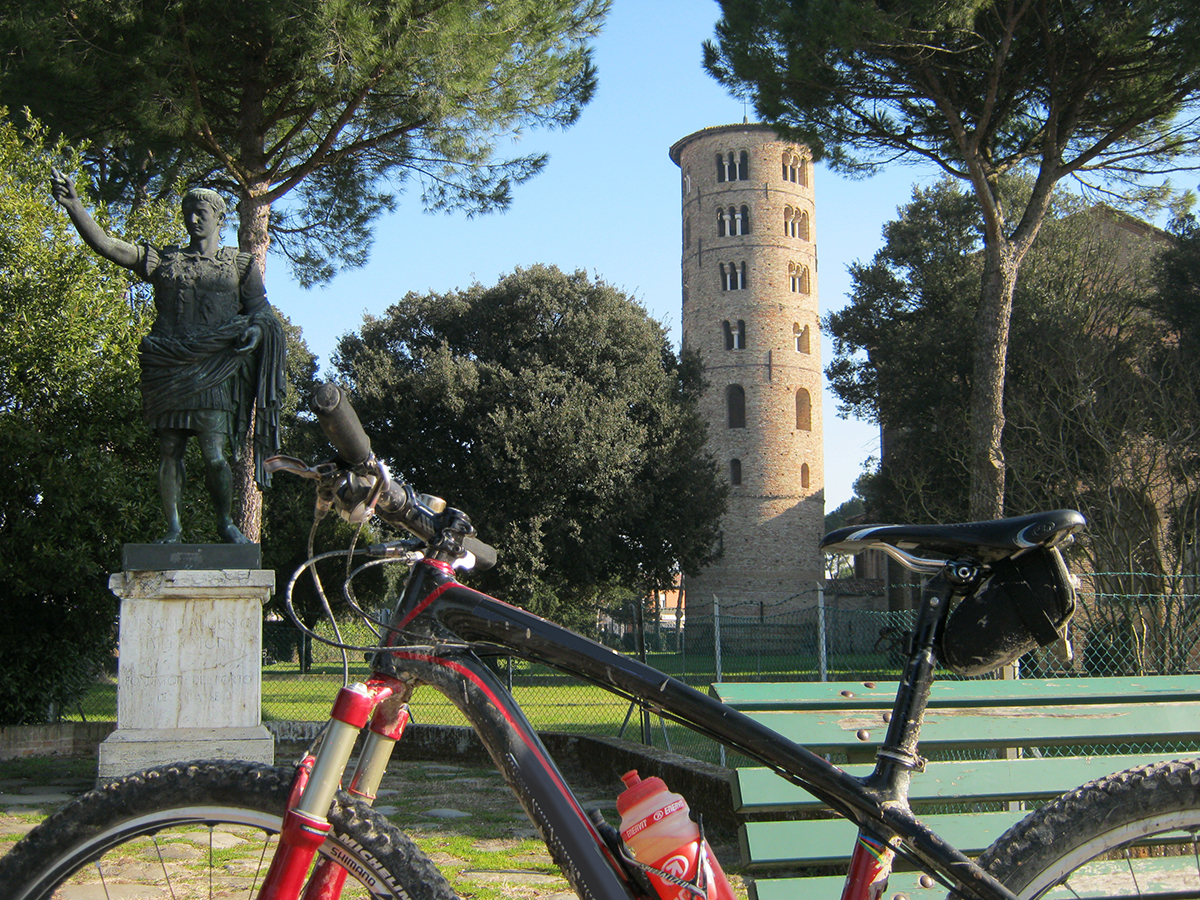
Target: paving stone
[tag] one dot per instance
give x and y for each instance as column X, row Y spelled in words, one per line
column 511, row 876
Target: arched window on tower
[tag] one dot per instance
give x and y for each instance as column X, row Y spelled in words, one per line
column 735, row 471
column 803, row 410
column 795, row 223
column 802, row 338
column 687, row 182
column 735, row 406
column 733, row 167
column 735, row 334
column 733, row 276
column 743, row 220
column 798, row 278
column 790, row 161
column 804, row 476
column 733, row 221
column 794, row 168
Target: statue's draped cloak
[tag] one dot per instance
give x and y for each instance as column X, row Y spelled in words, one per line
column 194, row 378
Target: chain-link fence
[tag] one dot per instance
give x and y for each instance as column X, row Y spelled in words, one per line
column 841, row 633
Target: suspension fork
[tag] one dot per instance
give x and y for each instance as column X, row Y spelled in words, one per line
column 383, row 702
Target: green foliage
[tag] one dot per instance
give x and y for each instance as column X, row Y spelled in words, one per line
column 334, row 103
column 552, row 409
column 844, row 514
column 1097, row 400
column 970, row 85
column 79, row 465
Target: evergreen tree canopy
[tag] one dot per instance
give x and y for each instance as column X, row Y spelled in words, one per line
column 551, row 409
column 332, row 104
column 1103, row 92
column 1101, row 410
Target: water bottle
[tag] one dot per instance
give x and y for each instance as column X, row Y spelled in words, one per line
column 659, row 832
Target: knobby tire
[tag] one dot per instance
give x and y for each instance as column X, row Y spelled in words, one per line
column 194, row 831
column 1132, row 834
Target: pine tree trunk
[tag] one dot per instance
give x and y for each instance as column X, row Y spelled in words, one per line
column 254, row 238
column 247, row 498
column 987, row 388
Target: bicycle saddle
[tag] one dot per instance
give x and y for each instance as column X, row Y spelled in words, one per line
column 993, row 539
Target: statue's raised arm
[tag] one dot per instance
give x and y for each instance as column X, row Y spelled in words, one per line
column 62, row 189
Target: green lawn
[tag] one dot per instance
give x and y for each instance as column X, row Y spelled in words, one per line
column 565, row 706
column 552, row 702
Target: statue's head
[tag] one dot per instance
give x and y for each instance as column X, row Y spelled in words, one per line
column 204, row 195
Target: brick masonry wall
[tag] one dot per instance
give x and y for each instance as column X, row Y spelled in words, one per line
column 776, row 515
column 63, row 739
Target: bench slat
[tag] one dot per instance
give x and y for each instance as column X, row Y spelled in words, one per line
column 987, row 715
column 829, row 887
column 1153, row 875
column 813, row 842
column 812, row 695
column 956, row 729
column 759, row 790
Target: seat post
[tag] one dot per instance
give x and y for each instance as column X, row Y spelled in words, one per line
column 897, row 758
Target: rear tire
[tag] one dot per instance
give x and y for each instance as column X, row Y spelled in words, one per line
column 202, row 830
column 1129, row 834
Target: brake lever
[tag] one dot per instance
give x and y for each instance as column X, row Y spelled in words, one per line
column 293, row 466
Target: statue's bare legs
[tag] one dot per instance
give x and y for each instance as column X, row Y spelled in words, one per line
column 218, row 478
column 172, row 476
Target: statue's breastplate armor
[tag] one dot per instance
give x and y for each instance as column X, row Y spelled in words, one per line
column 195, row 294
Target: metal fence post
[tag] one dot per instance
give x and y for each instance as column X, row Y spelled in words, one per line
column 822, row 661
column 717, row 661
column 717, row 636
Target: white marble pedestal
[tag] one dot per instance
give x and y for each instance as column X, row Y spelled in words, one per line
column 190, row 668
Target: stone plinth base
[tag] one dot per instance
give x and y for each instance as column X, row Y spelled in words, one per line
column 132, row 749
column 189, row 675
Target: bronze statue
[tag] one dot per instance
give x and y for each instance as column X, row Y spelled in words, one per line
column 213, row 361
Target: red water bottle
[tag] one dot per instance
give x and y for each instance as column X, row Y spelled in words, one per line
column 657, row 829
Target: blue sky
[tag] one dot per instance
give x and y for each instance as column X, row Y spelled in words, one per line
column 608, row 203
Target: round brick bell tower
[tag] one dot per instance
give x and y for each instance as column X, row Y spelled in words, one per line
column 750, row 311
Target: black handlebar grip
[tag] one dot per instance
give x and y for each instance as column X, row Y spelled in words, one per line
column 485, row 554
column 340, row 423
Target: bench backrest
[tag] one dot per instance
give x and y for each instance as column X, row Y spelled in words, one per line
column 1043, row 738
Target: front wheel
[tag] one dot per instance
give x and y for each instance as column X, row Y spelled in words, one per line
column 196, row 831
column 1132, row 834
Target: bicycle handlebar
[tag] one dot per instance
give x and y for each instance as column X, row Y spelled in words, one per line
column 398, row 503
column 340, row 423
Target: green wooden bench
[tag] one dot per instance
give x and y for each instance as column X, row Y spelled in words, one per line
column 1043, row 738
